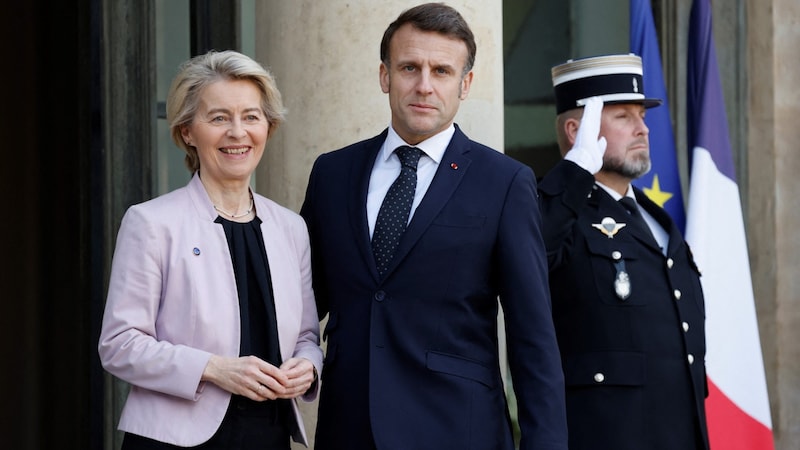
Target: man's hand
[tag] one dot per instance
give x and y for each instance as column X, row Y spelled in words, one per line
column 588, row 150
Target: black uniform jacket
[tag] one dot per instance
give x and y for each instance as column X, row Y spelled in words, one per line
column 633, row 365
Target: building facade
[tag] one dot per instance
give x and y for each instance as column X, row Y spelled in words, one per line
column 86, row 83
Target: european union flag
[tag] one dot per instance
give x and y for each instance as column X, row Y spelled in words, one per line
column 662, row 184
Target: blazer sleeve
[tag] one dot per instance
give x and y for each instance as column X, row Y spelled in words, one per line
column 307, row 345
column 127, row 346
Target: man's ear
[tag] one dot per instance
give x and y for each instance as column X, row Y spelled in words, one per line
column 571, row 126
column 466, row 82
column 385, row 80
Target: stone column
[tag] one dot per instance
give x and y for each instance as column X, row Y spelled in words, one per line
column 325, row 56
column 773, row 38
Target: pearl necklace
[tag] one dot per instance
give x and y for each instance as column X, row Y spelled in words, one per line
column 236, row 216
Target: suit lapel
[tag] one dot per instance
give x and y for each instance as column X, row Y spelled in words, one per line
column 358, row 186
column 451, row 170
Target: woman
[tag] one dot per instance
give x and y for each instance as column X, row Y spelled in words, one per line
column 210, row 314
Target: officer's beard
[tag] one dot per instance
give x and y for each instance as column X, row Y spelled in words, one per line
column 629, row 166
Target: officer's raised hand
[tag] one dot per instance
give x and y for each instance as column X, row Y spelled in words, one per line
column 588, row 149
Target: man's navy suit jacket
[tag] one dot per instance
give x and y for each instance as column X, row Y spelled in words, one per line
column 412, row 357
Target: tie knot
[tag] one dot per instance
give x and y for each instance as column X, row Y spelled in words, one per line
column 409, row 156
column 630, row 205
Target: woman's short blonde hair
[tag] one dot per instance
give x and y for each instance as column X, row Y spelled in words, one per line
column 200, row 71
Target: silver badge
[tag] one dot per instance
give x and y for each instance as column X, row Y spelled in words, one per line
column 622, row 285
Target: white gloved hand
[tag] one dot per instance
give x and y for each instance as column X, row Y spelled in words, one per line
column 588, row 150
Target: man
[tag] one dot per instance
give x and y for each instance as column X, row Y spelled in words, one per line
column 412, row 356
column 627, row 302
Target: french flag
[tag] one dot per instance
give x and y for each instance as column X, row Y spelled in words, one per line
column 738, row 405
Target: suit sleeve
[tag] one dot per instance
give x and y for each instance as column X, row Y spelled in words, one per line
column 307, row 212
column 524, row 293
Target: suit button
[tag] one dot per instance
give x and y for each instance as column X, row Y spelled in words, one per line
column 685, row 326
column 670, row 263
column 599, row 377
column 690, row 357
column 677, row 294
column 380, row 296
column 616, row 255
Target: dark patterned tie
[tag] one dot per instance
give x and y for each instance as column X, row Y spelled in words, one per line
column 395, row 209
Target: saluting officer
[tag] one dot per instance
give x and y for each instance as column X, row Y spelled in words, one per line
column 627, row 301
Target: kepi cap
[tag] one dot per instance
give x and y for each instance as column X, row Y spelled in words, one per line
column 614, row 78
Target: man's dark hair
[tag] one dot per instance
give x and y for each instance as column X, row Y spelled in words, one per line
column 436, row 17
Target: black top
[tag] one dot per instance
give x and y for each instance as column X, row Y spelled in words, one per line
column 259, row 336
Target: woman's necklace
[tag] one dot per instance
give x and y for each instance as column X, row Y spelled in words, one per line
column 236, row 216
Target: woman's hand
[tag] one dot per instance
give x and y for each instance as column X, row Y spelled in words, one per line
column 301, row 374
column 251, row 377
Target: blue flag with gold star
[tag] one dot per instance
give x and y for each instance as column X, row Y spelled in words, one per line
column 662, row 184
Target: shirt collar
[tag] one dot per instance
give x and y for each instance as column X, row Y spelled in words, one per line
column 433, row 147
column 614, row 194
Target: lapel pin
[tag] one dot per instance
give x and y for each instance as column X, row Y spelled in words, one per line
column 609, row 226
column 454, row 166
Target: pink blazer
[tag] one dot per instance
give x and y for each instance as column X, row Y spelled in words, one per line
column 172, row 302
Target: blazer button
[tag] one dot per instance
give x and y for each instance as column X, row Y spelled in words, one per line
column 690, row 357
column 685, row 326
column 670, row 263
column 677, row 294
column 380, row 296
column 599, row 377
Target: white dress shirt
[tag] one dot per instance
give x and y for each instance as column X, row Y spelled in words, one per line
column 387, row 168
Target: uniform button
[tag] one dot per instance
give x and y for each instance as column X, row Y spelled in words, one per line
column 685, row 326
column 690, row 357
column 670, row 263
column 677, row 294
column 380, row 296
column 616, row 255
column 599, row 377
